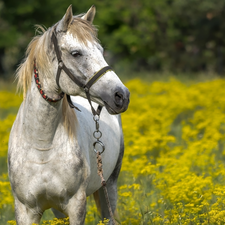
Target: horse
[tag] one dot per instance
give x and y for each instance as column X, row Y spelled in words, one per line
column 52, row 146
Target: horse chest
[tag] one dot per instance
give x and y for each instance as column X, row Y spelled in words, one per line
column 50, row 175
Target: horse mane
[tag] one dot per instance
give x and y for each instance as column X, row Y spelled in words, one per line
column 38, row 50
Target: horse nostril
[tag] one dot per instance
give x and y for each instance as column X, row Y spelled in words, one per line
column 119, row 99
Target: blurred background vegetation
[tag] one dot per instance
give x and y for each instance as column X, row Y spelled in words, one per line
column 138, row 35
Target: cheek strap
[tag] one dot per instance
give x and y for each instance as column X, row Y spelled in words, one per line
column 92, row 80
column 87, row 86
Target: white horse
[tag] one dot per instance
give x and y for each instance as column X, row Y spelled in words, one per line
column 51, row 161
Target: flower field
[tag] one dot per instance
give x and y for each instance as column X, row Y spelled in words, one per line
column 174, row 164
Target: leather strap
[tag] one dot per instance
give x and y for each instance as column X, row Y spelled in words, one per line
column 86, row 86
column 97, row 75
column 92, row 80
column 71, row 104
column 61, row 65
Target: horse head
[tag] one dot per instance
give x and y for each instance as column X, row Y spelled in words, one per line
column 76, row 47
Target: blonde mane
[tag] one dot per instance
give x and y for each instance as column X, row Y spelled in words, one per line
column 37, row 50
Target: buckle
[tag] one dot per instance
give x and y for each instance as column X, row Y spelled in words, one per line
column 60, row 65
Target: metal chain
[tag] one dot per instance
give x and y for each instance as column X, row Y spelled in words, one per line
column 97, row 135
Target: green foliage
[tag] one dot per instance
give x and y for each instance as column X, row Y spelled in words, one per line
column 157, row 34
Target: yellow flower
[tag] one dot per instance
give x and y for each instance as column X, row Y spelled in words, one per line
column 173, row 166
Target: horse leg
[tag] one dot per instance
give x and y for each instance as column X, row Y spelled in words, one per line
column 76, row 208
column 100, row 200
column 58, row 214
column 24, row 215
column 111, row 186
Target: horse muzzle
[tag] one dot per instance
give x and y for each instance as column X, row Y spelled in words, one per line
column 119, row 102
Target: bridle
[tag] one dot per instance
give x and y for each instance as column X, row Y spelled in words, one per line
column 87, row 86
column 61, row 66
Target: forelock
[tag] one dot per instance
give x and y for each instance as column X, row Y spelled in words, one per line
column 83, row 31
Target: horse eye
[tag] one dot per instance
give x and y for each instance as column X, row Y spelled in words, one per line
column 76, row 53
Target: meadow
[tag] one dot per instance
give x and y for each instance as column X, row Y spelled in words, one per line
column 173, row 169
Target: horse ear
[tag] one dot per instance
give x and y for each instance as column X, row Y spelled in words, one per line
column 90, row 15
column 66, row 20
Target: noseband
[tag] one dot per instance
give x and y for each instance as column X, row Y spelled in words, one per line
column 86, row 87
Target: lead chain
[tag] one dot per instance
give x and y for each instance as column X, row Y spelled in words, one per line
column 97, row 135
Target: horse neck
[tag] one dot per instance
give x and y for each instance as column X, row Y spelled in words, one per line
column 41, row 118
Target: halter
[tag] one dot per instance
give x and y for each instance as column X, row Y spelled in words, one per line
column 87, row 86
